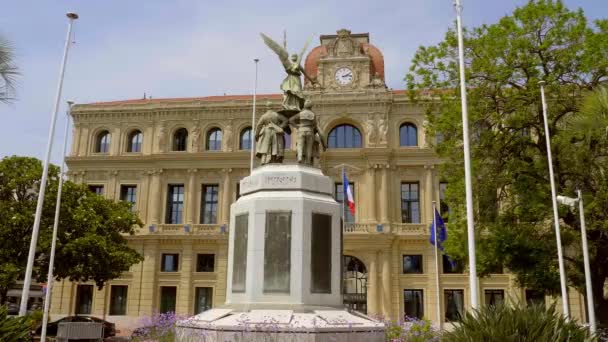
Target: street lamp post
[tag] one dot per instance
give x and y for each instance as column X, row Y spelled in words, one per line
column 467, row 165
column 27, row 279
column 252, row 134
column 49, row 278
column 558, row 237
column 571, row 202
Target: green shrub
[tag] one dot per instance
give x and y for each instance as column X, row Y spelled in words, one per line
column 13, row 329
column 518, row 323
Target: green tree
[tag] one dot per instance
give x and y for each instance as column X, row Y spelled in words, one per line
column 504, row 62
column 8, row 71
column 91, row 243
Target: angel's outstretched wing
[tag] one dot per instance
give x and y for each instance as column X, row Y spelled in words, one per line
column 278, row 49
column 304, row 49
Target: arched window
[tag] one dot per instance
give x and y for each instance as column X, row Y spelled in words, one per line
column 354, row 286
column 214, row 139
column 102, row 142
column 180, row 139
column 245, row 139
column 408, row 135
column 134, row 141
column 344, row 136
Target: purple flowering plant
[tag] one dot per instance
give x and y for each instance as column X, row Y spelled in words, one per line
column 157, row 327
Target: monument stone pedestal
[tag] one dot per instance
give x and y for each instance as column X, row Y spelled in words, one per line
column 284, row 265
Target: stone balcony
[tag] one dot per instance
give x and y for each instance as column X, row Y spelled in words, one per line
column 187, row 229
column 352, row 229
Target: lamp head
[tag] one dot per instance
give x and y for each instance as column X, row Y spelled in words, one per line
column 569, row 201
column 72, row 15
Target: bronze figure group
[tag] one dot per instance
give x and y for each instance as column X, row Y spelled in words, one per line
column 296, row 112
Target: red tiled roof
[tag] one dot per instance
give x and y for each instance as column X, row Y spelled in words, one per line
column 374, row 53
column 217, row 98
column 311, row 65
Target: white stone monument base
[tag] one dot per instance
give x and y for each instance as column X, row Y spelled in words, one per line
column 223, row 325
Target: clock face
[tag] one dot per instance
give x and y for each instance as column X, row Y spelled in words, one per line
column 344, row 76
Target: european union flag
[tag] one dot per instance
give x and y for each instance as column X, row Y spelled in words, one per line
column 442, row 233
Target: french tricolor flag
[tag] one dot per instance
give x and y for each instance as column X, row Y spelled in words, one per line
column 348, row 193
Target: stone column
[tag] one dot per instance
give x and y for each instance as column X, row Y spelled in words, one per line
column 372, row 286
column 184, row 299
column 226, row 195
column 154, row 197
column 115, row 141
column 371, row 176
column 113, row 186
column 385, row 256
column 134, row 290
column 191, row 197
column 384, row 194
column 147, row 279
column 428, row 194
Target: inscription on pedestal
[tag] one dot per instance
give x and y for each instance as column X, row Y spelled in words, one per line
column 280, row 180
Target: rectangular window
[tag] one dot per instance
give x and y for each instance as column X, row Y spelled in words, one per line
column 412, row 264
column 454, row 304
column 205, row 262
column 320, row 254
column 494, row 297
column 444, row 209
column 413, row 303
column 534, row 297
column 203, row 299
column 84, row 299
column 277, row 252
column 168, row 295
column 239, row 268
column 209, row 199
column 97, row 189
column 128, row 193
column 175, row 204
column 118, row 300
column 340, row 199
column 410, row 203
column 450, row 266
column 169, row 263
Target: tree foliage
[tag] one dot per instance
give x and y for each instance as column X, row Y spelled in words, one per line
column 517, row 323
column 91, row 243
column 8, row 71
column 504, row 63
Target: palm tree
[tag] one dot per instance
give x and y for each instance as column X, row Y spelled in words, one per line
column 8, row 72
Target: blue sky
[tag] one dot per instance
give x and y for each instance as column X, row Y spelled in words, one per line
column 183, row 48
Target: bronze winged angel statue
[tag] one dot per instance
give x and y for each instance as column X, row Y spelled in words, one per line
column 293, row 98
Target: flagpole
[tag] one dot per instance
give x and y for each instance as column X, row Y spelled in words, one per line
column 49, row 278
column 27, row 279
column 437, row 267
column 467, row 165
column 252, row 134
column 558, row 237
column 343, row 200
column 342, row 235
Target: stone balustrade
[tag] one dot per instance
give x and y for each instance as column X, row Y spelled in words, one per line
column 189, row 229
column 413, row 229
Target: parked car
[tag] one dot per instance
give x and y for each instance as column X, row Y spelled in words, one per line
column 109, row 329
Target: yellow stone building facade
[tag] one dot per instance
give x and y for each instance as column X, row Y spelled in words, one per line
column 179, row 161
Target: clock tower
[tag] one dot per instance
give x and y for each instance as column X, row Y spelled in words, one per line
column 345, row 62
